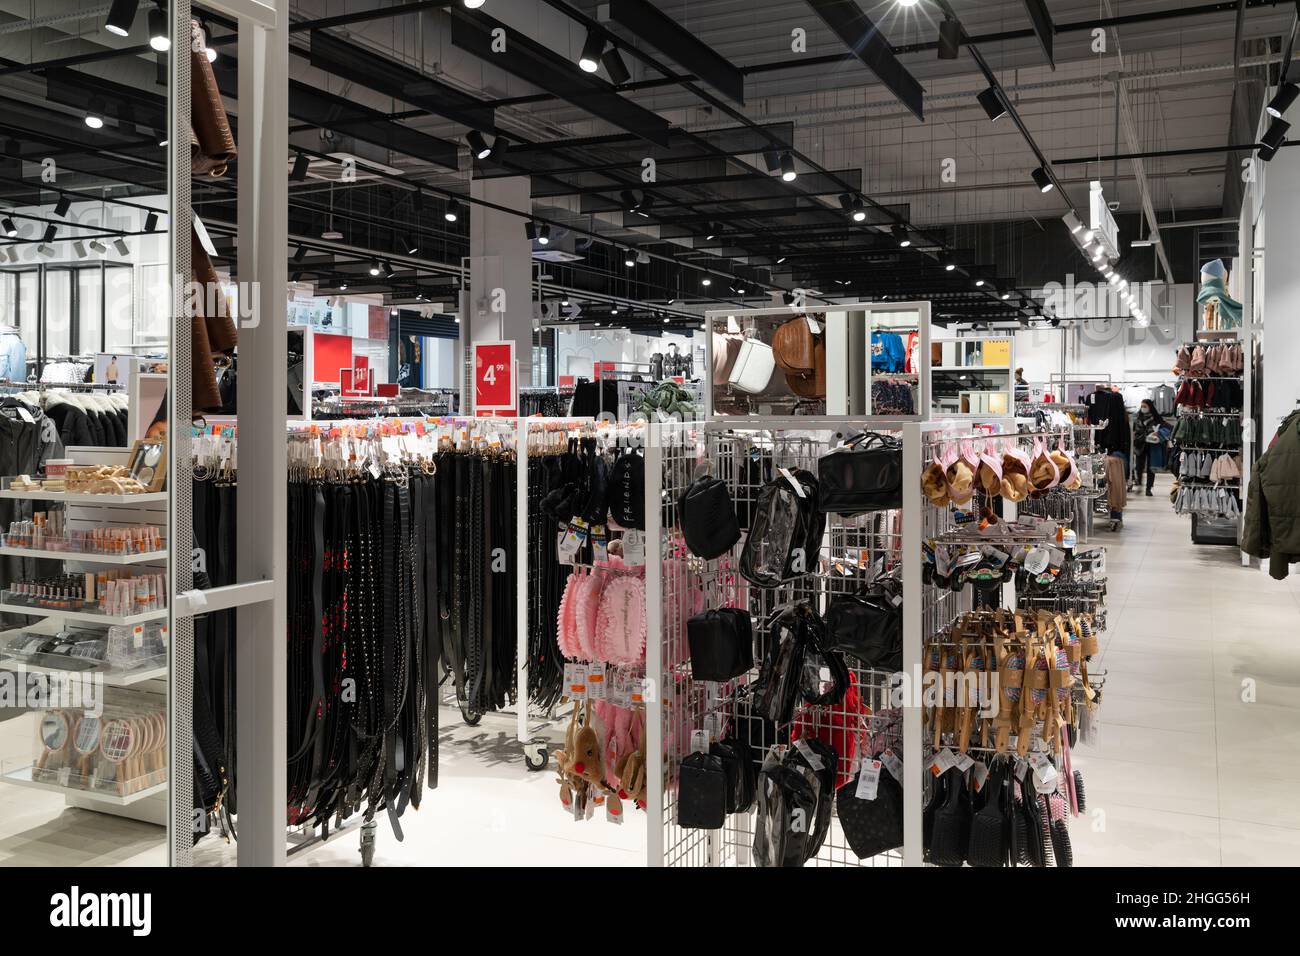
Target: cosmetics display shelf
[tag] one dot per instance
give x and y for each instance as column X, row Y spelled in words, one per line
column 7, row 607
column 110, row 676
column 87, row 557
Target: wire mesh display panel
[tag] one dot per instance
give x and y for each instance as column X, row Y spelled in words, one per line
column 853, row 550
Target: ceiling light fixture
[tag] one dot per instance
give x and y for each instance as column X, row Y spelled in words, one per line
column 151, row 222
column 544, row 235
column 411, row 246
column 1267, row 154
column 787, row 168
column 1276, row 134
column 709, row 233
column 706, row 281
column 158, row 38
column 979, row 283
column 343, row 287
column 949, row 266
column 901, row 235
column 95, row 113
column 301, row 163
column 589, row 62
column 120, row 245
column 1072, row 223
column 46, row 251
column 120, row 17
column 299, row 253
column 79, row 247
column 473, row 4
column 478, row 146
column 50, row 232
column 1043, row 180
column 991, row 100
column 374, row 267
column 98, row 247
column 949, row 40
column 780, row 259
column 453, row 211
column 615, row 68
column 62, row 206
column 628, row 259
column 530, row 230
column 10, row 228
column 1286, row 95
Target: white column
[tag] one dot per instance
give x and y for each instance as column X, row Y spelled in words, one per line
column 1281, row 289
column 501, row 259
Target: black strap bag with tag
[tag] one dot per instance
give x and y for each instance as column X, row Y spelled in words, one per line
column 868, row 625
column 708, row 519
column 865, row 474
column 784, row 541
column 701, row 792
column 721, row 644
column 874, row 826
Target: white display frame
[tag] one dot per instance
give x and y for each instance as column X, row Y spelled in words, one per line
column 1009, row 368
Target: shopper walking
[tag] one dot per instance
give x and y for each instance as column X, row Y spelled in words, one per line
column 1115, row 437
column 1149, row 430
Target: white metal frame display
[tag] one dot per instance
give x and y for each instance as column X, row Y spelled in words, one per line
column 673, row 575
column 848, row 381
column 263, row 27
column 1009, row 369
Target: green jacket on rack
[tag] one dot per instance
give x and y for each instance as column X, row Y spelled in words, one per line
column 1272, row 527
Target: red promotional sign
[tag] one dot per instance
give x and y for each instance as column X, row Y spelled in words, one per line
column 600, row 368
column 494, row 378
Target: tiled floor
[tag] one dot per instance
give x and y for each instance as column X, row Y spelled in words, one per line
column 1201, row 710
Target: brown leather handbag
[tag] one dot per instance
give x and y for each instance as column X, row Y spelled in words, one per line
column 212, row 144
column 801, row 354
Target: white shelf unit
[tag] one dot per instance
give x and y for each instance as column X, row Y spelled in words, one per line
column 86, row 557
column 22, row 777
column 994, row 402
column 85, row 497
column 87, row 616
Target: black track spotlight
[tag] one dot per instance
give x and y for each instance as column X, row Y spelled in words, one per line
column 1286, row 95
column 787, row 168
column 991, row 100
column 151, row 222
column 299, row 254
column 530, row 230
column 899, row 233
column 615, row 68
column 544, row 235
column 629, row 200
column 410, row 245
column 642, row 208
column 1276, row 133
column 158, row 36
column 122, row 248
column 948, row 264
column 79, row 247
column 1267, row 154
column 453, row 211
column 1042, row 180
column 10, row 227
column 120, row 17
column 473, row 4
column 772, row 159
column 589, row 62
column 949, row 40
column 95, row 113
column 62, row 206
column 710, row 230
column 478, row 146
column 846, row 201
column 499, row 147
column 301, row 163
column 1055, row 322
column 389, row 271
column 780, row 259
column 629, row 258
column 374, row 267
column 50, row 232
column 859, row 212
column 787, row 298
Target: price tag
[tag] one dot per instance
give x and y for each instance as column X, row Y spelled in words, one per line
column 814, row 761
column 634, row 548
column 137, row 636
column 599, row 544
column 943, row 761
column 596, row 684
column 1022, row 769
column 964, row 762
column 868, row 780
column 894, row 764
column 699, row 741
column 980, row 775
column 794, row 483
column 1044, row 772
column 575, row 679
column 813, row 326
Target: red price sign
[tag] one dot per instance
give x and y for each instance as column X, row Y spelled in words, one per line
column 494, row 377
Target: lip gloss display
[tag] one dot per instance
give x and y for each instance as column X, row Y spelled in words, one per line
column 49, row 532
column 116, row 593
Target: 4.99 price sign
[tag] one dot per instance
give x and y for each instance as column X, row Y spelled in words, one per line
column 494, row 378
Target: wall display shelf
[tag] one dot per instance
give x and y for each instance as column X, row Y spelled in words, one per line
column 972, row 376
column 86, row 498
column 23, row 776
column 86, row 557
column 9, row 606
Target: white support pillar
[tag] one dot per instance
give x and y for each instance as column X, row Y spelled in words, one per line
column 913, row 766
column 262, row 499
column 1281, row 290
column 501, row 261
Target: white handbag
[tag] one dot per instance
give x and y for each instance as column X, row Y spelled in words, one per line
column 753, row 367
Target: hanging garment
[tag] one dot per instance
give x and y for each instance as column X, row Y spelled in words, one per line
column 1272, row 526
column 13, row 357
column 1162, row 398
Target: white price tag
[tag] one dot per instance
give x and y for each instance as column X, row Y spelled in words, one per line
column 814, row 761
column 894, row 764
column 868, row 780
column 980, row 775
column 813, row 326
column 1044, row 772
column 964, row 762
column 634, row 548
column 596, row 684
column 794, row 483
column 943, row 761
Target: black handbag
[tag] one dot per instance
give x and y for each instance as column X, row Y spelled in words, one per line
column 741, row 770
column 866, row 474
column 721, row 644
column 701, row 792
column 794, row 635
column 708, row 519
column 785, row 539
column 868, row 625
column 872, row 827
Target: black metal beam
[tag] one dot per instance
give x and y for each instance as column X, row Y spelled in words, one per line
column 680, row 45
column 856, row 30
column 1044, row 29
